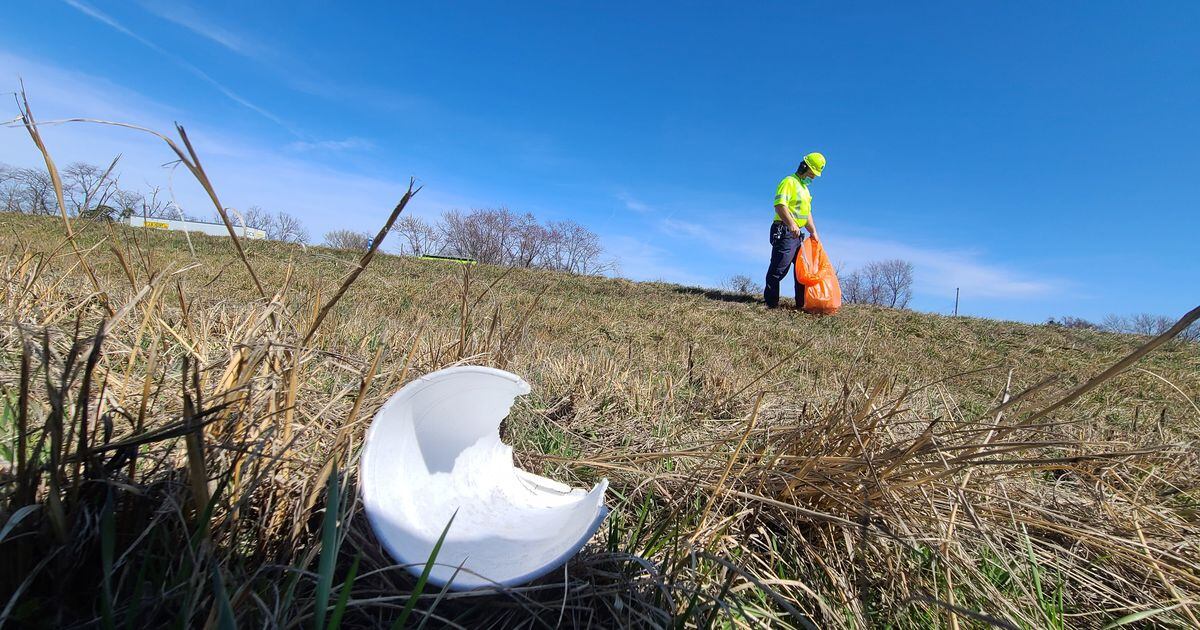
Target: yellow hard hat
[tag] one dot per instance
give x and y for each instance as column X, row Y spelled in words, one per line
column 815, row 162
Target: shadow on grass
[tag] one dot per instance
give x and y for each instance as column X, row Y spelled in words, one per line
column 720, row 296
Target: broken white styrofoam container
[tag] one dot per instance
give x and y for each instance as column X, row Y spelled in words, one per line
column 434, row 449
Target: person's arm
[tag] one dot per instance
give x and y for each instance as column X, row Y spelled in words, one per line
column 787, row 219
column 812, row 227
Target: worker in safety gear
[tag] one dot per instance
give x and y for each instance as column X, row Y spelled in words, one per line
column 793, row 212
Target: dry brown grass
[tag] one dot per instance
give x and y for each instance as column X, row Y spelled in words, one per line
column 181, row 426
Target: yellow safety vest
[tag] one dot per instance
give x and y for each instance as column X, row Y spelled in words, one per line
column 794, row 194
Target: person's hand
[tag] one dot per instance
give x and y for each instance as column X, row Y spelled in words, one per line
column 813, row 235
column 794, row 229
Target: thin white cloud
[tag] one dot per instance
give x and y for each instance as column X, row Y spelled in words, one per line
column 741, row 240
column 941, row 271
column 111, row 22
column 185, row 15
column 536, row 150
column 99, row 98
column 633, row 204
column 641, row 260
column 347, row 144
column 100, row 16
column 287, row 68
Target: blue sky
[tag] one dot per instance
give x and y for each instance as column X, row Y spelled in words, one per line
column 1041, row 156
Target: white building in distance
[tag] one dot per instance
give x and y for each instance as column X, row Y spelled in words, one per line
column 212, row 229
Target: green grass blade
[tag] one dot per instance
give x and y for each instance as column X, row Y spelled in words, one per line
column 335, row 620
column 1139, row 616
column 16, row 518
column 440, row 595
column 635, row 534
column 1033, row 565
column 225, row 618
column 329, row 551
column 420, row 586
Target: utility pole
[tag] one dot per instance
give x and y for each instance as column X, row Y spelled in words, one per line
column 956, row 301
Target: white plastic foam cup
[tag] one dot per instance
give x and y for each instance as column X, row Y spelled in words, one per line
column 434, row 451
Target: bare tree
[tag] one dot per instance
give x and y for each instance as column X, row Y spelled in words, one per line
column 416, row 236
column 502, row 237
column 1147, row 325
column 254, row 217
column 1115, row 323
column 287, row 228
column 485, row 235
column 128, row 202
column 279, row 226
column 529, row 243
column 575, row 249
column 9, row 189
column 855, row 289
column 882, row 283
column 1070, row 321
column 895, row 279
column 1139, row 324
column 742, row 284
column 35, row 192
column 456, row 234
column 151, row 205
column 156, row 205
column 864, row 286
column 88, row 190
column 347, row 239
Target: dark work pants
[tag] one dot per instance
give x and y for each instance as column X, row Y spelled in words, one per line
column 784, row 247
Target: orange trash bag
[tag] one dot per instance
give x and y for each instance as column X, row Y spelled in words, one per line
column 822, row 293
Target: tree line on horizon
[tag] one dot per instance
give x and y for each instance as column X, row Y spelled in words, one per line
column 1141, row 324
column 92, row 192
column 493, row 236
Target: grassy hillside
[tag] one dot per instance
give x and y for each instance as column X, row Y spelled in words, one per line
column 768, row 468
